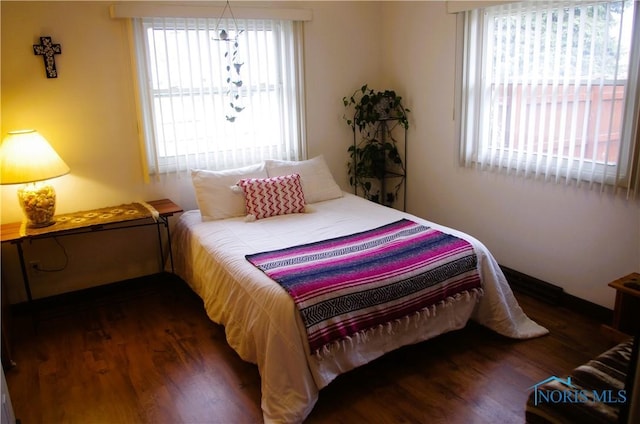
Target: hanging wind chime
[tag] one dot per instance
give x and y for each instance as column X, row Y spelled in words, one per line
column 233, row 64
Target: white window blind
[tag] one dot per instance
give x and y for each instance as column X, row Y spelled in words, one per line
column 198, row 111
column 550, row 90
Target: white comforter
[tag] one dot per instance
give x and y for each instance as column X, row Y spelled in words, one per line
column 262, row 323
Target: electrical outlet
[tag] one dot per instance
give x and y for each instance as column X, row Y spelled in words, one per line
column 34, row 266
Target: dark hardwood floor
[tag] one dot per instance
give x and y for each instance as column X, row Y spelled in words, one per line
column 144, row 351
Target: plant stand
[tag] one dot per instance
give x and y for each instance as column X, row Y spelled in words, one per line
column 386, row 182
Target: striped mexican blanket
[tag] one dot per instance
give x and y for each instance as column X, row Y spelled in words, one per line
column 346, row 286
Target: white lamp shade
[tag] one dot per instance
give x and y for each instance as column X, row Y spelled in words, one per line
column 25, row 156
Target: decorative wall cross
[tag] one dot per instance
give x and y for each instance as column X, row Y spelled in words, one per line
column 47, row 50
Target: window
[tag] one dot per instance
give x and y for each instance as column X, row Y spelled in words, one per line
column 550, row 89
column 213, row 101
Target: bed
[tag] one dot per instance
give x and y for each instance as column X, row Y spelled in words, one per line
column 213, row 247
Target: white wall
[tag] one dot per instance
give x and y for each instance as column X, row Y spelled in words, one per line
column 571, row 237
column 88, row 115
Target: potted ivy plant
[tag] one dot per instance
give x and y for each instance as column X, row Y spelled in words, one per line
column 373, row 115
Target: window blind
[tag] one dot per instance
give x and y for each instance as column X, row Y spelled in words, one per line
column 214, row 103
column 550, row 90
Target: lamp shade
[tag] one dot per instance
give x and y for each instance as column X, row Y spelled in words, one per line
column 25, row 156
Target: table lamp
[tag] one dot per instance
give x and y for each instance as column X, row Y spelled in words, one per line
column 27, row 158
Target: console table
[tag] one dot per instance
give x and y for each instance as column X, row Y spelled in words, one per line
column 156, row 212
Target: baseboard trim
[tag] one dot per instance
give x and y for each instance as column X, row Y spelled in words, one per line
column 141, row 284
column 554, row 295
column 519, row 282
column 600, row 313
column 533, row 287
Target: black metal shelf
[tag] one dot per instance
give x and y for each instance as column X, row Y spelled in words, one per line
column 383, row 131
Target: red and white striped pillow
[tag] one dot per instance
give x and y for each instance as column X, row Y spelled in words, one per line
column 265, row 197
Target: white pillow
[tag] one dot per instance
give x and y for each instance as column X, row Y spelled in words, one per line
column 317, row 182
column 214, row 195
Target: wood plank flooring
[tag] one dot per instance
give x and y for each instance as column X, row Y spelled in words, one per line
column 145, row 352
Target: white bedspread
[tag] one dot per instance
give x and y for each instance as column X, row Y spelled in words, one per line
column 262, row 323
